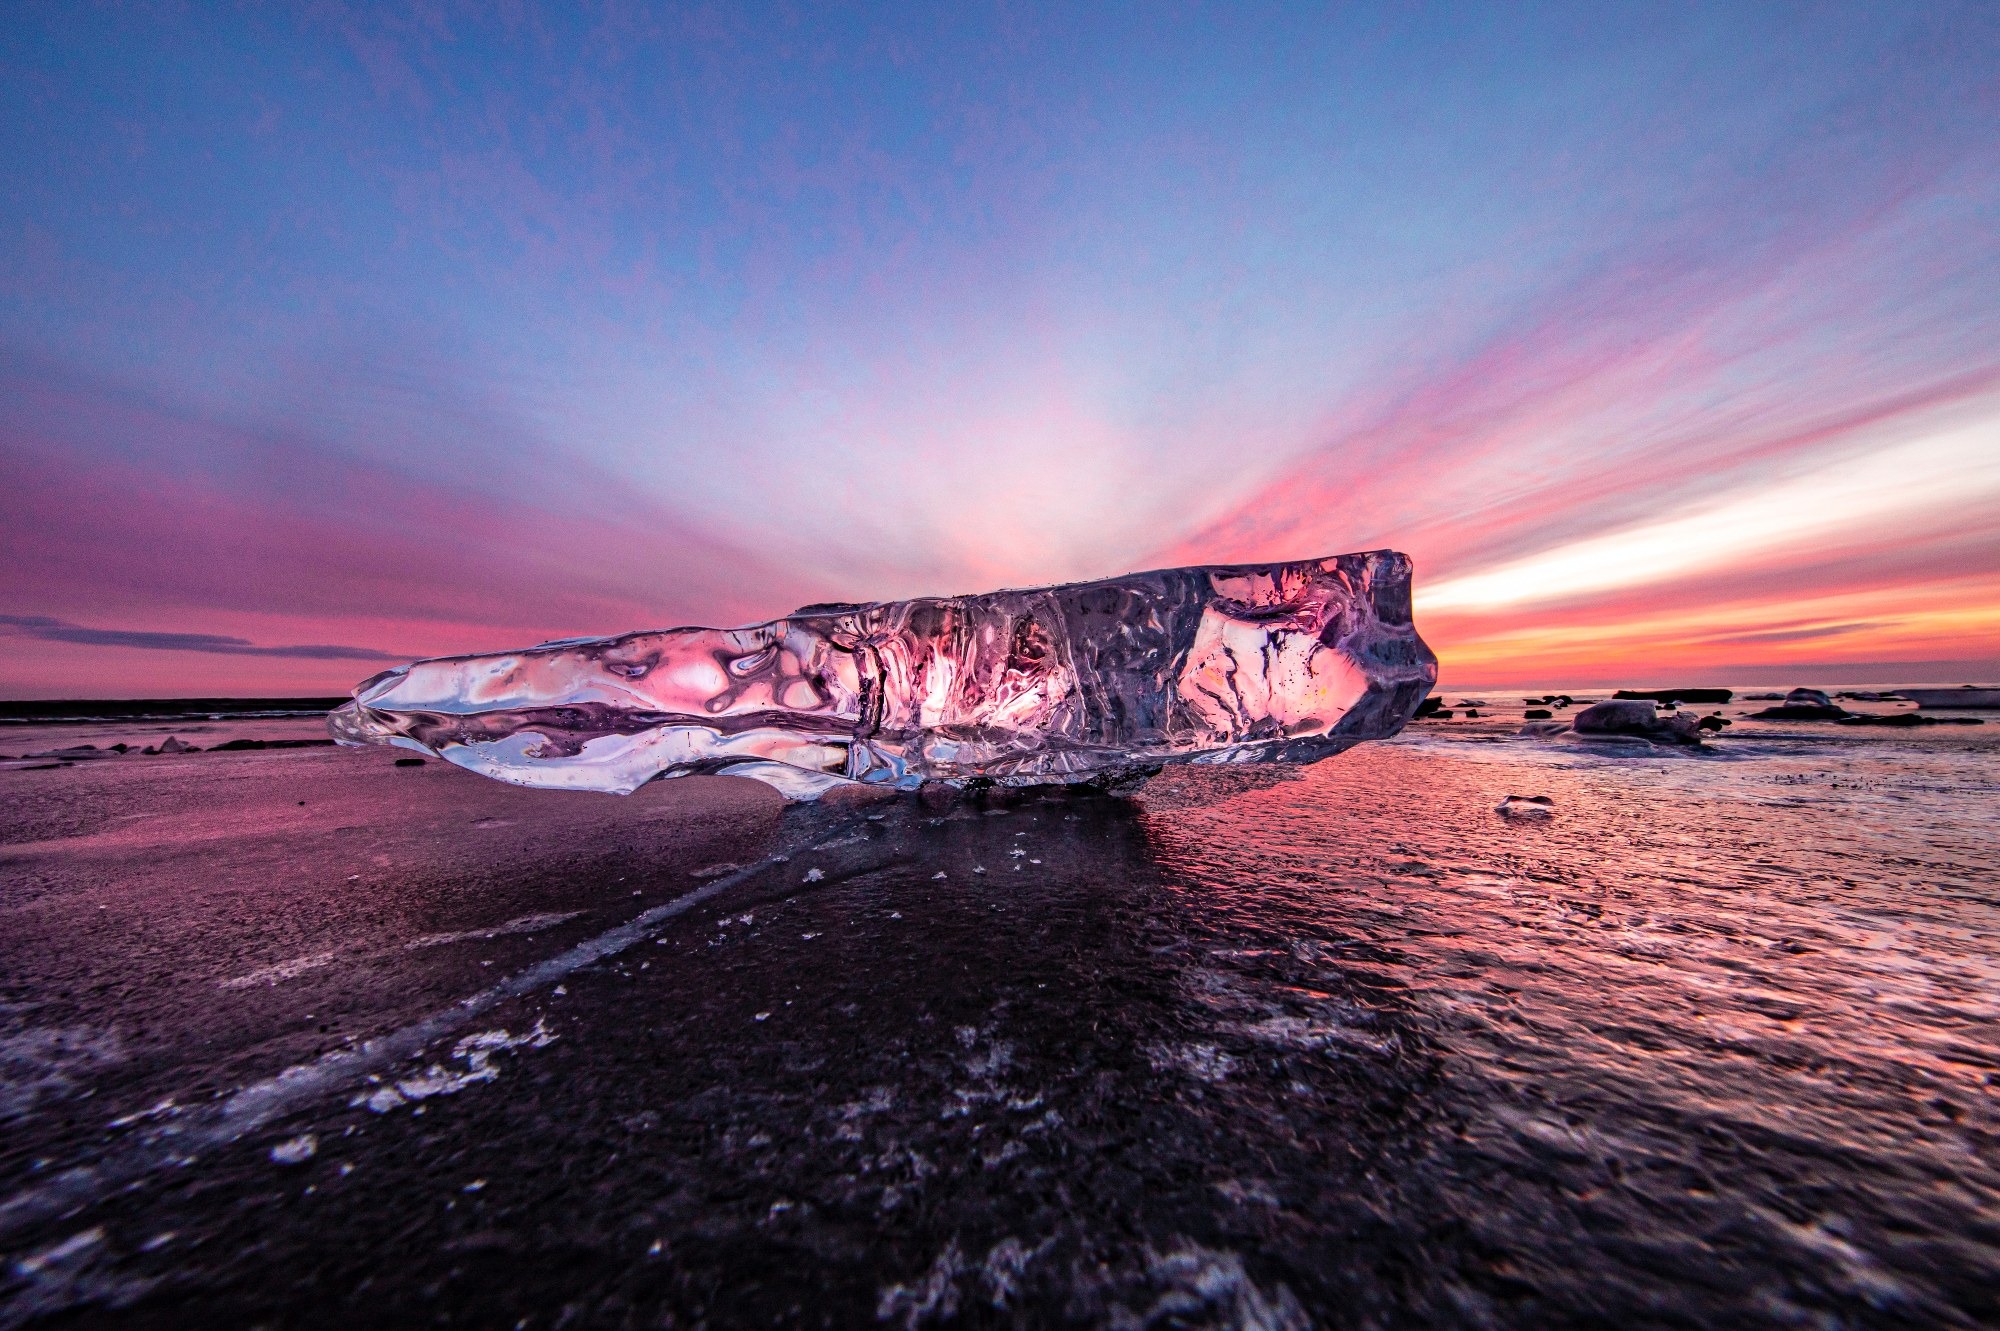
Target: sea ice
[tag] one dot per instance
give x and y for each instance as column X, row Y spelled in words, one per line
column 1096, row 681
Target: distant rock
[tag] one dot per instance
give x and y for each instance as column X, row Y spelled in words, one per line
column 1618, row 719
column 239, row 745
column 1538, row 714
column 1635, row 717
column 1908, row 720
column 1674, row 695
column 1803, row 705
column 409, row 762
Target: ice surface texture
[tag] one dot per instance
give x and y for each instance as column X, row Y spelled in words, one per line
column 1092, row 681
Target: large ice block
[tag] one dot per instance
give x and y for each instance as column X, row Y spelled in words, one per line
column 1091, row 681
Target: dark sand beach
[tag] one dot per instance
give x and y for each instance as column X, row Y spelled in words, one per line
column 302, row 1037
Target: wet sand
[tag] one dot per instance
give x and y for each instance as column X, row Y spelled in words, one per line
column 1713, row 1043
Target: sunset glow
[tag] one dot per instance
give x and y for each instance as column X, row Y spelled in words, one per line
column 1663, row 341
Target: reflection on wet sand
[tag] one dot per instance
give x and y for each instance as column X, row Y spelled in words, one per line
column 1703, row 1042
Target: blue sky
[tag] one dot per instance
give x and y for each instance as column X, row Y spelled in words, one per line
column 424, row 329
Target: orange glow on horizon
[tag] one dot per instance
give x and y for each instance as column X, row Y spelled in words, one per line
column 1920, row 622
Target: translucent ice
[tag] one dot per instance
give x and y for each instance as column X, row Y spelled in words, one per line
column 1093, row 681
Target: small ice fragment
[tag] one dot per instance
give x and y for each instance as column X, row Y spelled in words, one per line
column 475, row 1185
column 895, row 915
column 1017, row 852
column 979, row 868
column 60, row 1254
column 162, row 1107
column 296, row 1151
column 809, row 937
column 1034, row 861
column 1088, row 682
column 814, row 875
column 763, row 1016
column 1525, row 806
column 939, row 874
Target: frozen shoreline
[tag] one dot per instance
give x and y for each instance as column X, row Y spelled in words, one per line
column 1251, row 1034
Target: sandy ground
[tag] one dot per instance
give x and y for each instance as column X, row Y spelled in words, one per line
column 301, row 1037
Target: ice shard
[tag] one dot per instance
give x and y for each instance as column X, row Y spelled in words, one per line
column 1091, row 681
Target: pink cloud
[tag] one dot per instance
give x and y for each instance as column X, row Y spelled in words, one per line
column 277, row 542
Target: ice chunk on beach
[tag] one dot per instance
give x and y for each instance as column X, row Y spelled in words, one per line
column 1096, row 681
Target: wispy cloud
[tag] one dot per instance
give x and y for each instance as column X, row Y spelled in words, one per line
column 1845, row 500
column 1804, row 634
column 56, row 630
column 122, row 501
column 668, row 318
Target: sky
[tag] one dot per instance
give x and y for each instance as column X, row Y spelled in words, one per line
column 1664, row 338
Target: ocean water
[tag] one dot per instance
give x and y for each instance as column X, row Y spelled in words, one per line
column 1708, row 1039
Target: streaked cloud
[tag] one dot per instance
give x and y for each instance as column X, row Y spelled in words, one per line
column 1829, row 501
column 1662, row 338
column 55, row 630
